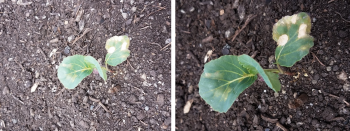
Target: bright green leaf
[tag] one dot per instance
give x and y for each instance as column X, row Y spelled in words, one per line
column 223, row 80
column 117, row 48
column 271, row 79
column 94, row 63
column 73, row 70
column 292, row 36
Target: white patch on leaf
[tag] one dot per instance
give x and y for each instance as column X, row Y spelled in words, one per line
column 124, row 46
column 294, row 18
column 111, row 49
column 282, row 40
column 302, row 30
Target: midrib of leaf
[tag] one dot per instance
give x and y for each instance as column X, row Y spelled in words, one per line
column 81, row 70
column 229, row 82
column 226, row 92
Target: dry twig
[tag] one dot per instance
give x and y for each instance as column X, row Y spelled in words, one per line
column 86, row 31
column 161, row 8
column 165, row 47
column 347, row 103
column 313, row 54
column 250, row 18
column 281, row 126
column 130, row 64
column 342, row 17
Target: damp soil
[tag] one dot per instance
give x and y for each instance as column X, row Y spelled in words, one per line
column 136, row 96
column 316, row 95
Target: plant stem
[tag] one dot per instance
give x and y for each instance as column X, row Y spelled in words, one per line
column 280, row 69
column 272, row 70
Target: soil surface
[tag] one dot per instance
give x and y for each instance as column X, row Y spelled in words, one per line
column 136, row 97
column 317, row 96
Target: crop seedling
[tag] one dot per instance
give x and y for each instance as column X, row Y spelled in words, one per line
column 74, row 69
column 225, row 78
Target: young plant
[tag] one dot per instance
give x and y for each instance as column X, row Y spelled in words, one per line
column 74, row 69
column 225, row 78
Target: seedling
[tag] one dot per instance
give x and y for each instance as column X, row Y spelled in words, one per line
column 74, row 69
column 225, row 78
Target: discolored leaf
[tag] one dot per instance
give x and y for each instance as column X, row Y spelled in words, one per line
column 292, row 36
column 223, row 80
column 117, row 48
column 74, row 69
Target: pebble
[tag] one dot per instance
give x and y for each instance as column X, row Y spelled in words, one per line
column 146, row 108
column 191, row 9
column 343, row 34
column 133, row 9
column 66, row 50
column 335, row 68
column 27, row 83
column 329, row 68
column 346, row 87
column 83, row 124
column 316, row 77
column 160, row 99
column 70, row 38
column 2, row 1
column 5, row 90
column 14, row 121
column 128, row 22
column 167, row 41
column 314, row 81
column 140, row 116
column 54, row 40
column 125, row 15
column 324, row 74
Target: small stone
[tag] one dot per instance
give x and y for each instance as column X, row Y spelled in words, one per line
column 27, row 84
column 276, row 94
column 271, row 59
column 2, row 1
column 146, row 108
column 153, row 122
column 66, row 50
column 140, row 116
column 5, row 90
column 125, row 15
column 324, row 74
column 14, row 121
column 329, row 68
column 343, row 34
column 314, row 81
column 191, row 9
column 132, row 98
column 335, row 68
column 54, row 40
column 70, row 38
column 133, row 9
column 316, row 77
column 153, row 73
column 83, row 124
column 160, row 99
column 346, row 87
column 128, row 22
column 167, row 41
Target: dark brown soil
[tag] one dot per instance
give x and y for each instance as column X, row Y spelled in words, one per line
column 141, row 88
column 324, row 107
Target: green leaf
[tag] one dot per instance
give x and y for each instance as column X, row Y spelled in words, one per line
column 117, row 48
column 94, row 63
column 223, row 80
column 271, row 79
column 292, row 36
column 73, row 70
